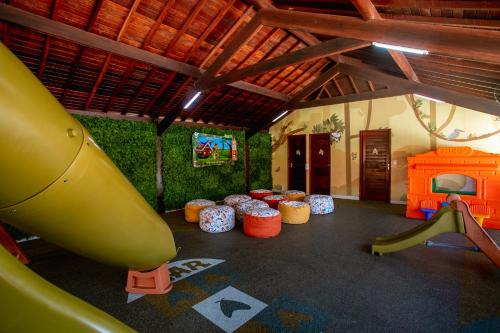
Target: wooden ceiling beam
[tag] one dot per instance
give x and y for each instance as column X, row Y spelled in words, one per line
column 453, row 21
column 170, row 102
column 353, row 84
column 171, row 44
column 308, row 75
column 339, row 88
column 441, row 4
column 468, row 101
column 107, row 61
column 482, row 45
column 130, row 68
column 46, row 43
column 227, row 35
column 382, row 93
column 66, row 32
column 369, row 12
column 79, row 54
column 333, row 46
column 220, row 15
column 245, row 34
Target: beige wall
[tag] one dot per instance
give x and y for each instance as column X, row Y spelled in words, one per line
column 409, row 137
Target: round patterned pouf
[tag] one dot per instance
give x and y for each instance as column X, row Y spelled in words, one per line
column 294, row 212
column 217, row 219
column 295, row 195
column 243, row 207
column 262, row 223
column 192, row 209
column 235, row 199
column 320, row 204
column 274, row 200
column 259, row 194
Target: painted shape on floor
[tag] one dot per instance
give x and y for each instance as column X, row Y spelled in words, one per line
column 182, row 269
column 287, row 315
column 230, row 308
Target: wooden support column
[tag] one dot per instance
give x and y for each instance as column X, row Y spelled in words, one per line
column 347, row 140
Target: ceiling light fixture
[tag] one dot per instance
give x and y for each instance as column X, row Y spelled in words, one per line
column 400, row 48
column 279, row 117
column 429, row 98
column 191, row 101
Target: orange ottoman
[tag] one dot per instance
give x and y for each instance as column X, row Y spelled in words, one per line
column 262, row 223
column 294, row 212
column 274, row 200
column 192, row 209
column 295, row 195
column 259, row 194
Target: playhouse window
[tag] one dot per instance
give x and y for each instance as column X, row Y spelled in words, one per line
column 454, row 183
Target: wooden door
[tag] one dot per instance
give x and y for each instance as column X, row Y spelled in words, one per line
column 375, row 165
column 297, row 162
column 319, row 175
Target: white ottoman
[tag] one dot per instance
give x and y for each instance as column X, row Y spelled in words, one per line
column 244, row 207
column 320, row 204
column 217, row 219
column 235, row 199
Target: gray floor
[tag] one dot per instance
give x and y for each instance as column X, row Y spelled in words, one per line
column 317, row 277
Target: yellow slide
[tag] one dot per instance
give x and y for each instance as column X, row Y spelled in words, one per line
column 55, row 182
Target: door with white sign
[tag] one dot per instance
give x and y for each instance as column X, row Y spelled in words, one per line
column 319, row 175
column 375, row 165
column 297, row 162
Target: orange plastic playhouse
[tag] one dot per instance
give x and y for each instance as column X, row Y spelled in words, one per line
column 473, row 174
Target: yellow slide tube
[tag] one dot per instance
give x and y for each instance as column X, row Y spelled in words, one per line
column 55, row 182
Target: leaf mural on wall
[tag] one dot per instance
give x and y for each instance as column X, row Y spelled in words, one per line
column 284, row 133
column 438, row 131
column 333, row 125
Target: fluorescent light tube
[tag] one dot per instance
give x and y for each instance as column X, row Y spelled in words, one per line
column 429, row 98
column 191, row 101
column 400, row 48
column 279, row 117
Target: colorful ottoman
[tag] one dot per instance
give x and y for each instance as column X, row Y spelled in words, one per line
column 294, row 212
column 235, row 199
column 262, row 223
column 217, row 219
column 259, row 194
column 295, row 195
column 274, row 200
column 192, row 209
column 320, row 204
column 244, row 207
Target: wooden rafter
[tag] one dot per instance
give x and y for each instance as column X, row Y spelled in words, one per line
column 369, row 12
column 185, row 25
column 130, row 68
column 339, row 88
column 46, row 43
column 334, row 46
column 305, row 76
column 84, row 38
column 468, row 101
column 205, row 98
column 442, row 4
column 170, row 102
column 107, row 61
column 228, row 34
column 79, row 54
column 351, row 98
column 250, row 29
column 207, row 111
column 478, row 44
column 353, row 84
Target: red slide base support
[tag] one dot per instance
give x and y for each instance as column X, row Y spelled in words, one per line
column 153, row 282
column 10, row 245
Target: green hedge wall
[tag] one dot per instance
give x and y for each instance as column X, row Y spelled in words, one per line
column 259, row 161
column 183, row 182
column 131, row 145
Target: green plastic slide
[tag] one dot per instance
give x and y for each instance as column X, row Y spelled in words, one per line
column 445, row 220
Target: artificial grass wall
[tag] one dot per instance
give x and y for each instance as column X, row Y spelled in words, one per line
column 131, row 145
column 183, row 182
column 259, row 161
